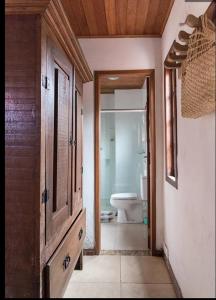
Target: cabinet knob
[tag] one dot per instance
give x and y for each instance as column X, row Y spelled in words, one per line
column 66, row 262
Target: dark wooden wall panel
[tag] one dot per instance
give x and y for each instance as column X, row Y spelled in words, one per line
column 22, row 149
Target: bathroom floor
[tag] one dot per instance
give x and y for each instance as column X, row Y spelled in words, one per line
column 119, row 276
column 117, row 236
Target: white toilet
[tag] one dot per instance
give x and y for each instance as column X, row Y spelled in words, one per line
column 129, row 205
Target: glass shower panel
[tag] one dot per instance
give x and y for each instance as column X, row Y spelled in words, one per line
column 123, row 152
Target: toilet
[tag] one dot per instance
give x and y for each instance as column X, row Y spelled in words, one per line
column 129, row 205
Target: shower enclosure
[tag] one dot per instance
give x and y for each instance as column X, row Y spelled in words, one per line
column 123, row 153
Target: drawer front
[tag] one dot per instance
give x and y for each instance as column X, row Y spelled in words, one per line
column 62, row 263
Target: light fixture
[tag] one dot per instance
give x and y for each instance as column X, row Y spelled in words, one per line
column 113, row 78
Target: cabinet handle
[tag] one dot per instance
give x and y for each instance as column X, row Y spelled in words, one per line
column 80, row 233
column 66, row 262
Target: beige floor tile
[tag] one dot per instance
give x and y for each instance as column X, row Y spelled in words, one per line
column 92, row 290
column 116, row 236
column 98, row 268
column 143, row 269
column 131, row 238
column 108, row 236
column 134, row 290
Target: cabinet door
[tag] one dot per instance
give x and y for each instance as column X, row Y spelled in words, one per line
column 77, row 182
column 58, row 142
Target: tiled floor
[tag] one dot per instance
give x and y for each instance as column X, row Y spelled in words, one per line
column 115, row 276
column 117, row 236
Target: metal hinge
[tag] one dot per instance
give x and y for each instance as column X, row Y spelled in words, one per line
column 45, row 196
column 82, row 170
column 81, row 111
column 45, row 82
column 71, row 141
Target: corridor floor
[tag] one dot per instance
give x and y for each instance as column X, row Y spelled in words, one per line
column 119, row 276
column 119, row 236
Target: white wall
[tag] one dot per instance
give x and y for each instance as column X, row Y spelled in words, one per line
column 189, row 211
column 119, row 54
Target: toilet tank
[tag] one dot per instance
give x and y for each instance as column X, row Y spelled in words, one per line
column 143, row 187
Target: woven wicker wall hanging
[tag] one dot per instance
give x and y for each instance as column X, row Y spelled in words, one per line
column 198, row 73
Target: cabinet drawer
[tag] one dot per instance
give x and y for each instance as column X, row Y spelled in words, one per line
column 63, row 261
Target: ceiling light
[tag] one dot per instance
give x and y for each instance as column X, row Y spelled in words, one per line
column 113, row 78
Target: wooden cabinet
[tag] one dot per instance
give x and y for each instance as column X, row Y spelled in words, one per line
column 78, row 167
column 62, row 263
column 45, row 218
column 58, row 140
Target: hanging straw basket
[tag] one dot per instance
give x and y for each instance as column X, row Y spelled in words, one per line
column 198, row 73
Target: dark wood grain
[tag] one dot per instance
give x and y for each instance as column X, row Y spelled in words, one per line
column 25, row 6
column 58, row 274
column 22, row 153
column 58, row 148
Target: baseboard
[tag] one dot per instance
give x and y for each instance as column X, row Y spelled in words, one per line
column 89, row 251
column 156, row 252
column 173, row 278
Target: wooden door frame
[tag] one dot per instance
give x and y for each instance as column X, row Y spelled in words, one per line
column 150, row 73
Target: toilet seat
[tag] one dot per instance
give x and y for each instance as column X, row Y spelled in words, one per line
column 125, row 196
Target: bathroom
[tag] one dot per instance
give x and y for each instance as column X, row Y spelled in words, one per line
column 123, row 169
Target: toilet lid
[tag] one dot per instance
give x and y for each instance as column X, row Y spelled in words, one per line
column 124, row 196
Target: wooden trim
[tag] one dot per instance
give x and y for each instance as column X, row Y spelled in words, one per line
column 174, row 183
column 58, row 21
column 89, row 251
column 119, row 36
column 152, row 154
column 167, row 17
column 25, row 7
column 173, row 278
column 97, row 161
column 152, row 157
column 54, row 14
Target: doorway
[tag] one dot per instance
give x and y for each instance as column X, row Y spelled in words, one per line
column 133, row 79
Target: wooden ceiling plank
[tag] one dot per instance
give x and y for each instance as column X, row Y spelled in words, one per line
column 161, row 19
column 110, row 10
column 166, row 17
column 142, row 10
column 125, row 81
column 76, row 16
column 105, row 18
column 151, row 17
column 121, row 16
column 131, row 16
column 88, row 7
column 100, row 16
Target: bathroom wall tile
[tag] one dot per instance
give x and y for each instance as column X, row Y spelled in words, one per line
column 92, row 290
column 134, row 290
column 143, row 269
column 98, row 268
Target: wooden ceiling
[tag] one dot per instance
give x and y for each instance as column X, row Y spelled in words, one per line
column 126, row 81
column 117, row 18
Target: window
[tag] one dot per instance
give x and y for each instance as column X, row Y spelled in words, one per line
column 170, row 126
